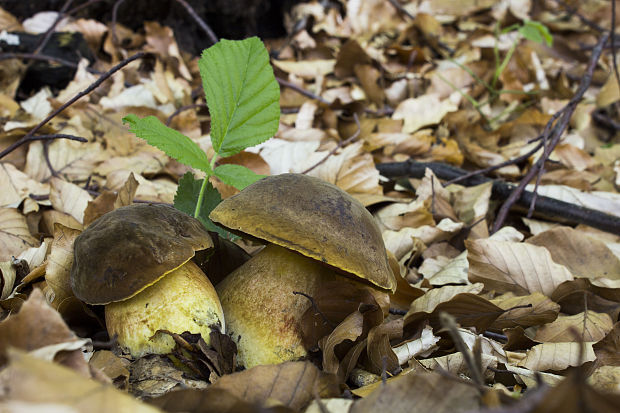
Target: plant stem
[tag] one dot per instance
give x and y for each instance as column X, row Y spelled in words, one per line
column 203, row 188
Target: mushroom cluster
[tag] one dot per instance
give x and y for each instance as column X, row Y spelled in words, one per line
column 317, row 234
column 135, row 260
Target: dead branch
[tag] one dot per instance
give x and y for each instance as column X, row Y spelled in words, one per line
column 340, row 144
column 550, row 208
column 554, row 137
column 203, row 25
column 75, row 98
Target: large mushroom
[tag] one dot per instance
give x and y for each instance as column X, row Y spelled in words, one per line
column 317, row 234
column 135, row 260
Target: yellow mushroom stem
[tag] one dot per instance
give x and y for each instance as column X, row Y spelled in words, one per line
column 183, row 300
column 262, row 313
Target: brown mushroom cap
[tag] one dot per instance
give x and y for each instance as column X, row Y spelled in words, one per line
column 314, row 218
column 132, row 247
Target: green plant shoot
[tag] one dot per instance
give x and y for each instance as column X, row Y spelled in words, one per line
column 243, row 99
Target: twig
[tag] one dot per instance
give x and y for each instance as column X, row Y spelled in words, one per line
column 48, row 34
column 316, row 308
column 81, row 94
column 613, row 36
column 556, row 134
column 340, row 144
column 22, row 141
column 113, row 23
column 46, row 156
column 182, row 109
column 203, row 25
column 492, row 168
column 448, row 322
column 400, row 9
column 397, row 311
column 550, row 208
column 301, row 90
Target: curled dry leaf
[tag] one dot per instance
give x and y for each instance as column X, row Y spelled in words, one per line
column 461, row 302
column 608, row 349
column 420, row 346
column 22, row 330
column 28, row 379
column 542, row 310
column 294, row 384
column 17, row 186
column 514, row 267
column 589, row 326
column 584, row 256
column 109, row 201
column 59, row 264
column 69, row 198
column 557, row 356
column 455, row 364
column 14, row 234
column 420, row 393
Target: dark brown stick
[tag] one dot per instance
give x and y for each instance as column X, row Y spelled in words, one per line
column 113, row 23
column 301, row 90
column 48, row 34
column 549, row 208
column 22, row 141
column 203, row 25
column 81, row 94
column 555, row 136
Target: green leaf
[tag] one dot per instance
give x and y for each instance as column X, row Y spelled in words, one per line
column 536, row 32
column 174, row 143
column 236, row 175
column 242, row 94
column 187, row 196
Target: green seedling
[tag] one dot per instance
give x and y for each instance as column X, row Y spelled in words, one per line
column 530, row 30
column 243, row 99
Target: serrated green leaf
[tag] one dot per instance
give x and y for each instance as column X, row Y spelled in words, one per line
column 536, row 32
column 237, row 175
column 242, row 94
column 174, row 143
column 187, row 196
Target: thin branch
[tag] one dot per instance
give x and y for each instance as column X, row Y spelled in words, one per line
column 316, row 308
column 401, row 10
column 340, row 145
column 613, row 36
column 301, row 90
column 549, row 208
column 203, row 25
column 81, row 94
column 113, row 23
column 22, row 141
column 556, row 134
column 449, row 323
column 48, row 34
column 182, row 109
column 46, row 156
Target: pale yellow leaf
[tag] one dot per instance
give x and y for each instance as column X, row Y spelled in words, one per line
column 14, row 234
column 17, row 186
column 588, row 326
column 557, row 356
column 422, row 111
column 69, row 198
column 514, row 267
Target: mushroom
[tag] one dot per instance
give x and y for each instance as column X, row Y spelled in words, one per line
column 317, row 234
column 135, row 260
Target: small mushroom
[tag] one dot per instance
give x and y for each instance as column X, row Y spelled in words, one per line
column 317, row 234
column 135, row 260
